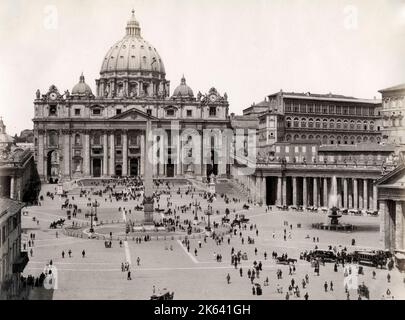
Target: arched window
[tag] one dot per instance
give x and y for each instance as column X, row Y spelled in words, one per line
column 325, row 139
column 118, row 139
column 310, row 137
column 339, row 124
column 365, row 139
column 303, row 123
column 378, row 139
column 365, row 125
column 358, row 139
column 310, row 123
column 296, row 137
column 372, row 125
column 345, row 124
column 338, row 139
column 288, row 122
column 332, row 139
column 296, row 123
column 288, row 137
column 325, row 124
column 358, row 126
column 345, row 139
column 332, row 124
column 318, row 138
column 318, row 123
column 352, row 125
column 352, row 140
column 303, row 137
column 372, row 139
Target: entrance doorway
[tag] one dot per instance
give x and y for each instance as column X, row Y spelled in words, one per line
column 96, row 167
column 133, row 167
column 118, row 170
column 170, row 169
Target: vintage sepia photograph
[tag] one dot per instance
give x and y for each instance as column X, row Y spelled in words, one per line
column 225, row 150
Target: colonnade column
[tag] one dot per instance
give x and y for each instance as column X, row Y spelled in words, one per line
column 294, row 191
column 355, row 196
column 141, row 159
column 279, row 199
column 40, row 160
column 325, row 192
column 365, row 194
column 105, row 154
column 12, row 188
column 315, row 193
column 383, row 213
column 399, row 226
column 263, row 190
column 375, row 198
column 304, row 192
column 345, row 193
column 124, row 153
column 284, row 191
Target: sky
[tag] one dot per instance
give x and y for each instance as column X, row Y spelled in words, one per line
column 246, row 48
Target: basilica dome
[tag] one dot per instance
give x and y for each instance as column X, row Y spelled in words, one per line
column 82, row 88
column 183, row 89
column 132, row 53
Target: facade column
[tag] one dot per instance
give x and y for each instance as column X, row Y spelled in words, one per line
column 12, row 188
column 141, row 159
column 383, row 208
column 355, row 196
column 345, row 193
column 399, row 226
column 66, row 154
column 112, row 154
column 350, row 193
column 365, row 194
column 105, row 154
column 86, row 162
column 284, row 191
column 315, row 192
column 263, row 191
column 294, row 190
column 375, row 198
column 304, row 193
column 179, row 163
column 41, row 160
column 325, row 192
column 124, row 153
column 279, row 194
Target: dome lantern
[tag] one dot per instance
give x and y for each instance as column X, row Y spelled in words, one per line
column 132, row 27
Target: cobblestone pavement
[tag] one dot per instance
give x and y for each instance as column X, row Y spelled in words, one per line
column 98, row 275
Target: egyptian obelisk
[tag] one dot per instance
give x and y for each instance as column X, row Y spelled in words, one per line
column 148, row 178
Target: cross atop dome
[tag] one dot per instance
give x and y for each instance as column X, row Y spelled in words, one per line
column 133, row 28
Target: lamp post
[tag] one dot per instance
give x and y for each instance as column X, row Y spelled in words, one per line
column 93, row 205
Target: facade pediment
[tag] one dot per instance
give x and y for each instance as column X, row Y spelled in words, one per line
column 133, row 114
column 394, row 178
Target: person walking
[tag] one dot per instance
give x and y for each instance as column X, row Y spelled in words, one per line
column 326, row 286
column 228, row 278
column 138, row 261
column 129, row 275
column 306, row 296
column 31, row 252
column 63, row 254
column 241, row 272
column 331, row 286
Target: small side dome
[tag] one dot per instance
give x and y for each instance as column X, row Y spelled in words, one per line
column 183, row 90
column 82, row 88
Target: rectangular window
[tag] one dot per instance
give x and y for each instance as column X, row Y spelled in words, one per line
column 287, row 149
column 278, row 149
column 170, row 113
column 118, row 111
column 296, row 149
column 304, row 149
column 77, row 112
column 213, row 111
column 189, row 113
column 96, row 112
column 149, row 112
column 313, row 149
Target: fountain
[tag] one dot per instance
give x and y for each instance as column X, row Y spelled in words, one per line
column 332, row 222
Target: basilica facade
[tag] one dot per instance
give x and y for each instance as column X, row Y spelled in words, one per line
column 83, row 133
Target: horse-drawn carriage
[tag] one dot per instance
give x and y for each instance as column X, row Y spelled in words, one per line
column 363, row 291
column 164, row 295
column 108, row 244
column 287, row 261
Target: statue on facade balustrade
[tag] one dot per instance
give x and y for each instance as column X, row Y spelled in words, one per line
column 67, row 94
column 38, row 94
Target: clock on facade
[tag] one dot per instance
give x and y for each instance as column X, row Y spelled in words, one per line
column 213, row 97
column 53, row 95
